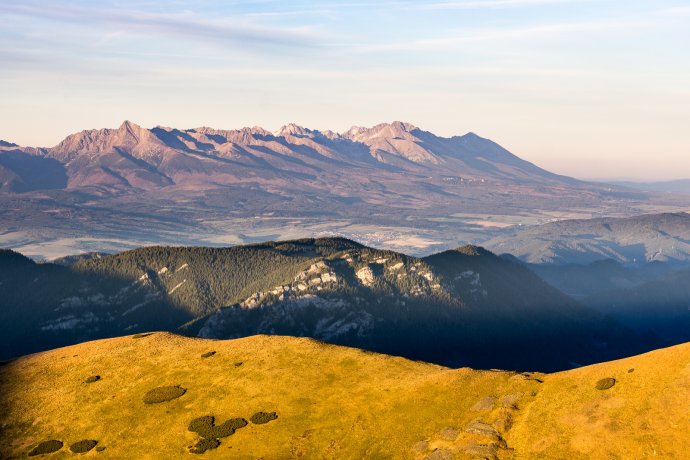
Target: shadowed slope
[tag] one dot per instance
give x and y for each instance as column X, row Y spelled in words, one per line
column 457, row 308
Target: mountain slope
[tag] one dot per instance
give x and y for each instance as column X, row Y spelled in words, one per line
column 465, row 307
column 660, row 307
column 334, row 402
column 582, row 281
column 450, row 308
column 22, row 172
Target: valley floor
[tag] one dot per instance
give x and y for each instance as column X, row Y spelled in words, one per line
column 334, row 402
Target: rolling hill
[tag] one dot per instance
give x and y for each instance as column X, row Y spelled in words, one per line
column 631, row 240
column 672, row 186
column 459, row 307
column 164, row 396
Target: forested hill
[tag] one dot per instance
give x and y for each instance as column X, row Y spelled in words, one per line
column 462, row 307
column 204, row 279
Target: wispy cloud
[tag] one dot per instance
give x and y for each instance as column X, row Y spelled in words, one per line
column 492, row 4
column 649, row 20
column 184, row 25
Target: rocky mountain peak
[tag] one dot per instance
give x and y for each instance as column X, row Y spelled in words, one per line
column 331, row 134
column 129, row 137
column 394, row 130
column 7, row 144
column 292, row 129
column 130, row 131
column 128, row 125
column 389, row 142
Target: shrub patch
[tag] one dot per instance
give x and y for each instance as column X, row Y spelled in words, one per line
column 203, row 445
column 83, row 446
column 605, row 384
column 263, row 417
column 93, row 378
column 163, row 394
column 46, row 447
column 236, row 423
column 206, row 428
column 208, row 354
column 202, row 425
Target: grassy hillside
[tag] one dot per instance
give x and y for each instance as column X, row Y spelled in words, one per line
column 333, row 402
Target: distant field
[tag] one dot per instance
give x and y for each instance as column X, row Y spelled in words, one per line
column 49, row 235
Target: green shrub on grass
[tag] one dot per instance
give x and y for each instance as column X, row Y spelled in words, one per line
column 263, row 417
column 93, row 378
column 203, row 426
column 46, row 447
column 83, row 446
column 228, row 427
column 163, row 394
column 236, row 423
column 206, row 428
column 605, row 384
column 203, row 445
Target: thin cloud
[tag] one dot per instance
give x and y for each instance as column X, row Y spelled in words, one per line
column 176, row 25
column 477, row 35
column 491, row 4
column 653, row 19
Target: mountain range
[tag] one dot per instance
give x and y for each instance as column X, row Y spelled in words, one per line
column 132, row 157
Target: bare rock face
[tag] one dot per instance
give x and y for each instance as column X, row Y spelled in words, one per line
column 365, row 275
column 128, row 137
column 294, row 130
column 397, row 139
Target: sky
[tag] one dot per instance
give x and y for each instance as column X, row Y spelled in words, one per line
column 589, row 88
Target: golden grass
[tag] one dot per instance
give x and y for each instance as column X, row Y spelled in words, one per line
column 335, row 402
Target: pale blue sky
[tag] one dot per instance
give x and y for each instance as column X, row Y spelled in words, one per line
column 590, row 88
